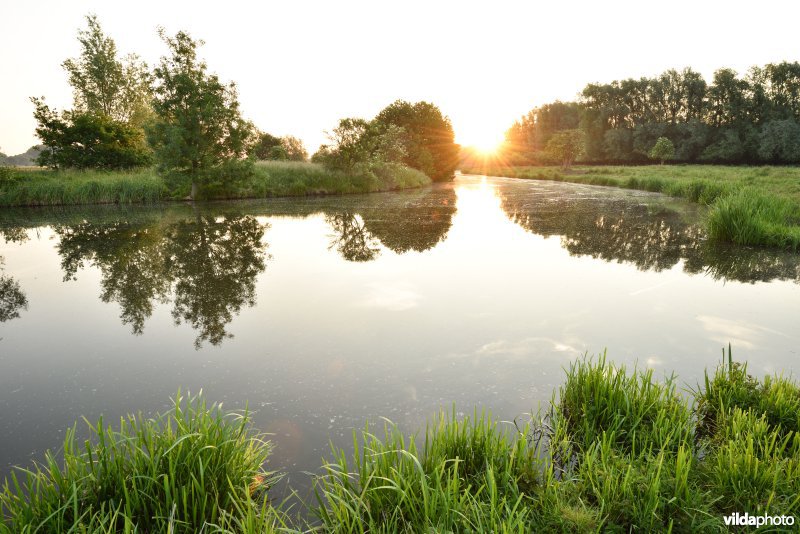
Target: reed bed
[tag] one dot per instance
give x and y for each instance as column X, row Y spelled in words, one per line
column 264, row 179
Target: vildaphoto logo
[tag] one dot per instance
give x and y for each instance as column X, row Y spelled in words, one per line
column 745, row 519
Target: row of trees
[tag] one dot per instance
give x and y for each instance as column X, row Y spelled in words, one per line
column 753, row 118
column 188, row 122
column 178, row 115
column 416, row 135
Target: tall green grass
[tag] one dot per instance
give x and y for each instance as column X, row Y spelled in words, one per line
column 615, row 451
column 50, row 188
column 465, row 477
column 750, row 217
column 193, row 468
column 286, row 178
column 268, row 179
column 748, row 205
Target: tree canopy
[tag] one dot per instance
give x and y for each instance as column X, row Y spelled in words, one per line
column 750, row 118
column 104, row 85
column 111, row 105
column 199, row 134
column 430, row 141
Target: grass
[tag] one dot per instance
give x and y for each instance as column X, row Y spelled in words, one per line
column 615, row 451
column 269, row 179
column 748, row 205
column 192, row 468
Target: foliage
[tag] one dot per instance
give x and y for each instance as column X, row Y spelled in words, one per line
column 199, row 135
column 429, row 143
column 566, row 146
column 182, row 471
column 293, row 148
column 266, row 147
column 104, row 130
column 662, row 150
column 734, row 119
column 360, row 145
column 12, row 298
column 83, row 140
column 105, row 86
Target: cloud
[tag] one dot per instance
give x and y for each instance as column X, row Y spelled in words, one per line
column 399, row 297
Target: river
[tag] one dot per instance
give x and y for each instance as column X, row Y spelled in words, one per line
column 320, row 314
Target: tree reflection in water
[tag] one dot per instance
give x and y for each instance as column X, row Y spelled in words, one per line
column 651, row 236
column 412, row 221
column 12, row 298
column 207, row 264
column 350, row 237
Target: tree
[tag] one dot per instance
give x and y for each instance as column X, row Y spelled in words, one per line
column 102, row 84
column 199, row 134
column 347, row 148
column 104, row 130
column 86, row 140
column 780, row 141
column 267, row 146
column 566, row 146
column 662, row 150
column 430, row 144
column 295, row 151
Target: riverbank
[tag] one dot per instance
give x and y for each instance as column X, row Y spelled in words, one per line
column 268, row 179
column 616, row 451
column 748, row 205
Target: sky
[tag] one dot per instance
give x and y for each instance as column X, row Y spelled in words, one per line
column 302, row 65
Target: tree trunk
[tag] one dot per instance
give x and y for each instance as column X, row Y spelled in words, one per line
column 194, row 190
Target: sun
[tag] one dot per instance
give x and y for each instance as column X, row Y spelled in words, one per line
column 483, row 138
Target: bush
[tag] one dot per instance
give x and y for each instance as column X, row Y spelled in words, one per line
column 88, row 141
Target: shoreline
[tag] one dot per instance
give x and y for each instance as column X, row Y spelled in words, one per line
column 757, row 206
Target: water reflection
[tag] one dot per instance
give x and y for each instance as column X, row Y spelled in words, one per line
column 351, row 238
column 207, row 264
column 205, row 260
column 654, row 234
column 12, row 298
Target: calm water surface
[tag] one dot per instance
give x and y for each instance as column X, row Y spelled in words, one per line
column 325, row 313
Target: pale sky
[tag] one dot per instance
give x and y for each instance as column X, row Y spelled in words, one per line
column 302, row 65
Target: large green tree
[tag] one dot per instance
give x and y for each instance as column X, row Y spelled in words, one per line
column 102, row 84
column 111, row 104
column 199, row 134
column 430, row 142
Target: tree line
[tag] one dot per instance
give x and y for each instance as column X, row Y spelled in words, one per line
column 188, row 122
column 749, row 119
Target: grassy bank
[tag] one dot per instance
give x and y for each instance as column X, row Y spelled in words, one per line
column 749, row 205
column 616, row 451
column 269, row 179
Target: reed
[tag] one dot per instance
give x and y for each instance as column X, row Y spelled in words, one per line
column 189, row 469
